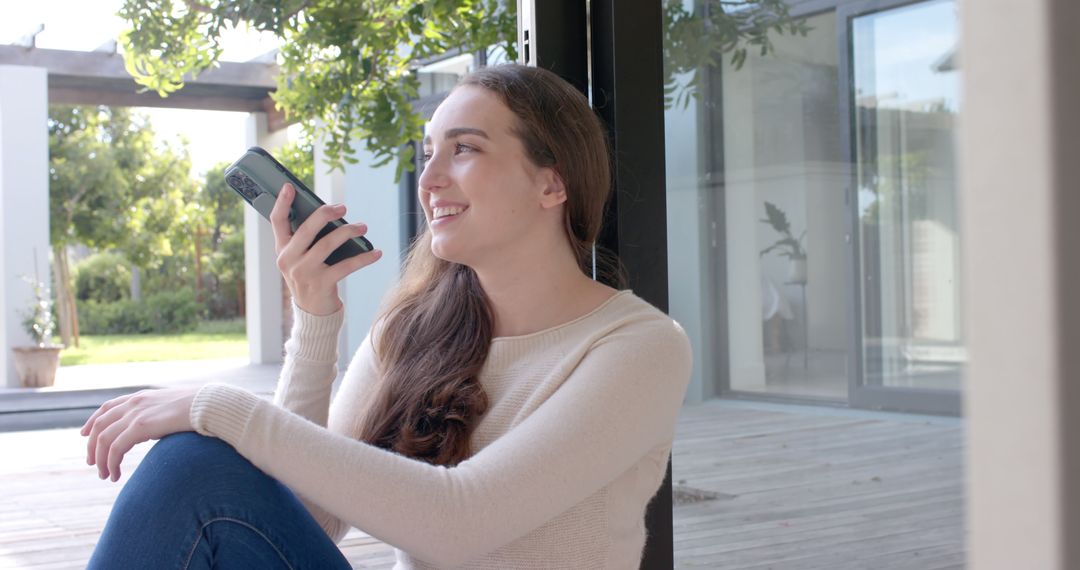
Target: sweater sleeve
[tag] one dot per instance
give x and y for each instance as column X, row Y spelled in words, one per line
column 305, row 384
column 620, row 402
column 310, row 366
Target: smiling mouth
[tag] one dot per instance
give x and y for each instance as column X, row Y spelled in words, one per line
column 446, row 212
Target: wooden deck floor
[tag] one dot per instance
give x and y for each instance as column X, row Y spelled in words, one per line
column 766, row 487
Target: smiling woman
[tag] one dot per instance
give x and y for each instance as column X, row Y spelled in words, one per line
column 505, row 410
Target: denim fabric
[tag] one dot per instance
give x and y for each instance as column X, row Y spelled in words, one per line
column 194, row 503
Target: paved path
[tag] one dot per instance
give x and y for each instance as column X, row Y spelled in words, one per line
column 79, row 390
column 256, row 377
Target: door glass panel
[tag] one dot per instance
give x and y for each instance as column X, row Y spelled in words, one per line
column 761, row 485
column 905, row 107
column 784, row 175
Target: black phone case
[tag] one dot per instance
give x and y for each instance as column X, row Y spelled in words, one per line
column 258, row 177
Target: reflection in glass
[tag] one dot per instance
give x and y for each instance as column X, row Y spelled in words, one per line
column 767, row 276
column 784, row 177
column 905, row 108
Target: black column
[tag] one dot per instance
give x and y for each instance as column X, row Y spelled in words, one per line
column 552, row 34
column 627, row 82
column 627, row 92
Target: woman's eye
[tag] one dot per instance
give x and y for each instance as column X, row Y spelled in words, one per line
column 458, row 149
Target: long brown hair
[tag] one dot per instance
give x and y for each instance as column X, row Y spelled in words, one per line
column 436, row 328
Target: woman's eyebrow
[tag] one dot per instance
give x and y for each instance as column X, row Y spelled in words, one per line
column 457, row 132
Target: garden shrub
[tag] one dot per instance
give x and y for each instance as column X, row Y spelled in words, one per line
column 103, row 277
column 160, row 313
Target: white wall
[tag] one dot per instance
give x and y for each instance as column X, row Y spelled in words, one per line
column 24, row 201
column 371, row 196
column 263, row 304
column 1020, row 138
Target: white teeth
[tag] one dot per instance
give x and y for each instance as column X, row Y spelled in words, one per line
column 447, row 211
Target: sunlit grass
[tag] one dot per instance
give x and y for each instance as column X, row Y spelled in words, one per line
column 110, row 349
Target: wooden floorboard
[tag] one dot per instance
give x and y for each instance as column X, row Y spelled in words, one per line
column 798, row 488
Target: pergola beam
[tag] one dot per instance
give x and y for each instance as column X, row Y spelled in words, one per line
column 100, row 78
column 105, row 65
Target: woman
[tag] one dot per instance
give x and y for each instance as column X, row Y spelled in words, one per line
column 505, row 411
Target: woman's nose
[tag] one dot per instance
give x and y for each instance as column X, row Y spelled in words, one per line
column 433, row 175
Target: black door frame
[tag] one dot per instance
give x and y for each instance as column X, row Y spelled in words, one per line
column 626, row 88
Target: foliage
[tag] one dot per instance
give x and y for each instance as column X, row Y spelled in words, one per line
column 225, row 207
column 38, row 322
column 348, row 67
column 299, row 158
column 102, row 277
column 164, row 312
column 227, row 263
column 171, row 273
column 110, row 187
column 699, row 39
column 788, row 245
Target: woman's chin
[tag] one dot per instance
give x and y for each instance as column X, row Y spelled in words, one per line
column 444, row 251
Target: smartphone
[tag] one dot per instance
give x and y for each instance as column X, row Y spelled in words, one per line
column 258, row 177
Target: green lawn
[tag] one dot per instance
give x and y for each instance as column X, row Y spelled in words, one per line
column 103, row 349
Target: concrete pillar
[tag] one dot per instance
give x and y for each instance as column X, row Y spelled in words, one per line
column 24, row 201
column 371, row 196
column 1020, row 136
column 261, row 275
column 330, row 186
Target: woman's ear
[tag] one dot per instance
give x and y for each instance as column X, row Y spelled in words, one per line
column 554, row 190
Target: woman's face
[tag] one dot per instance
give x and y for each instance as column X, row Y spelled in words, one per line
column 483, row 198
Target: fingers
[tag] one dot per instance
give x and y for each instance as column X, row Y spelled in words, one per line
column 279, row 217
column 101, row 410
column 333, row 240
column 343, row 268
column 104, row 419
column 125, row 422
column 105, row 441
column 128, row 438
column 305, row 234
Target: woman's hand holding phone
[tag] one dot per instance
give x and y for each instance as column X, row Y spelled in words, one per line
column 312, row 282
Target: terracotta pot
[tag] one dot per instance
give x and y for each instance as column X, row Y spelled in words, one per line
column 36, row 365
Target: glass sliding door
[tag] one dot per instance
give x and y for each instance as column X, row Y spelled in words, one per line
column 904, row 104
column 784, row 173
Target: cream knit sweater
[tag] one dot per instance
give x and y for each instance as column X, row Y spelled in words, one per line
column 574, row 444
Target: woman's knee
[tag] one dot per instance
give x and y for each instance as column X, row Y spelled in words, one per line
column 195, row 462
column 188, row 443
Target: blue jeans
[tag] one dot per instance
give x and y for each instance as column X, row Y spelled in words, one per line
column 194, row 502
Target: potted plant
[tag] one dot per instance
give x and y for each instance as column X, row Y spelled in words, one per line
column 788, row 245
column 36, row 365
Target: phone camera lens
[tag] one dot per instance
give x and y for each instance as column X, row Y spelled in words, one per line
column 244, row 185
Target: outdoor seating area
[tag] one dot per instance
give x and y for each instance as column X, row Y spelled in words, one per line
column 756, row 486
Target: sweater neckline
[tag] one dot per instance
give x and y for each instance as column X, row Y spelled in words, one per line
column 576, row 320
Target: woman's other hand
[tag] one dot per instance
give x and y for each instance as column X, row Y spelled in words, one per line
column 311, row 281
column 122, row 423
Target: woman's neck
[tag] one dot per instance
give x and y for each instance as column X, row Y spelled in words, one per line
column 532, row 293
